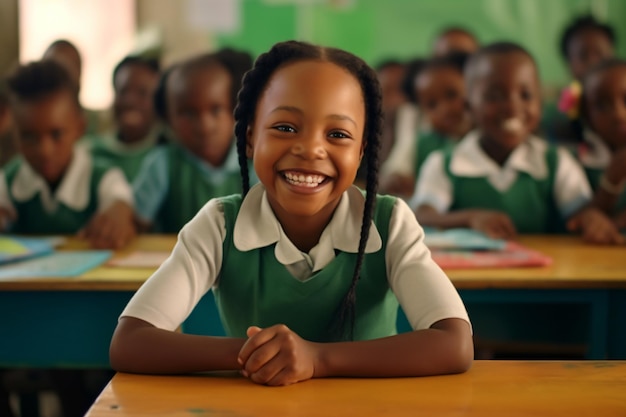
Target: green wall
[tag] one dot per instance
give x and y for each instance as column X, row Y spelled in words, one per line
column 379, row 29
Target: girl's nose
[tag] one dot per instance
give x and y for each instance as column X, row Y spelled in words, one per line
column 309, row 148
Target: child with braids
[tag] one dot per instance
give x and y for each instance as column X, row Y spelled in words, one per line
column 307, row 270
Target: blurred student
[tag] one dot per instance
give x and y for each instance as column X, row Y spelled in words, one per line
column 439, row 90
column 603, row 139
column 136, row 129
column 584, row 43
column 56, row 187
column 501, row 179
column 196, row 100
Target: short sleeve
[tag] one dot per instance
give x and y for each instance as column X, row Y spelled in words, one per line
column 424, row 291
column 167, row 298
column 114, row 187
column 571, row 187
column 151, row 185
column 433, row 187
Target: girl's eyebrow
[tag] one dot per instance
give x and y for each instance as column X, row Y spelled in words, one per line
column 294, row 109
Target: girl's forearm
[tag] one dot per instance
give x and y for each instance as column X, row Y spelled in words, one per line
column 139, row 347
column 445, row 348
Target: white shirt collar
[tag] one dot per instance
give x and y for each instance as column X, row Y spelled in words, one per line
column 73, row 191
column 256, row 227
column 469, row 159
column 596, row 154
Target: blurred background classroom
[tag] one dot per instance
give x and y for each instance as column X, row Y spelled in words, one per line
column 107, row 31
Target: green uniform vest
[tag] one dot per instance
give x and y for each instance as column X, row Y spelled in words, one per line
column 255, row 289
column 129, row 162
column 189, row 191
column 33, row 219
column 529, row 202
column 427, row 143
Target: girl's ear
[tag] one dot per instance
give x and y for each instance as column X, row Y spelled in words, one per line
column 363, row 145
column 249, row 144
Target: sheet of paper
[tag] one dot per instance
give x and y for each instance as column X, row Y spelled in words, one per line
column 54, row 265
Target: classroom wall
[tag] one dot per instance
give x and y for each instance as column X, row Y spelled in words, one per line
column 8, row 35
column 376, row 30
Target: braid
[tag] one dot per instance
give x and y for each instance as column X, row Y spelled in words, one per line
column 373, row 130
column 253, row 86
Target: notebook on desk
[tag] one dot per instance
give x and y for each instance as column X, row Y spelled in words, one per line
column 466, row 248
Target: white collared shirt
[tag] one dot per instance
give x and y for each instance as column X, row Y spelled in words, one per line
column 598, row 154
column 422, row 288
column 571, row 189
column 74, row 189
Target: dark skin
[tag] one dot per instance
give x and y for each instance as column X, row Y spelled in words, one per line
column 587, row 48
column 47, row 129
column 505, row 101
column 605, row 111
column 309, row 120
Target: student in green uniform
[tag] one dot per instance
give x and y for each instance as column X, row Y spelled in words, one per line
column 603, row 139
column 307, row 269
column 500, row 179
column 55, row 187
column 440, row 94
column 136, row 128
column 196, row 100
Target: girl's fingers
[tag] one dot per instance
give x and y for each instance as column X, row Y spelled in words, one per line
column 257, row 339
column 262, row 356
column 269, row 371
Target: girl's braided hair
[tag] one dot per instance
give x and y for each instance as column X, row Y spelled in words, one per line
column 254, row 84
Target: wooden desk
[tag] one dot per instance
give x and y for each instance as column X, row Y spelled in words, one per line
column 490, row 388
column 69, row 322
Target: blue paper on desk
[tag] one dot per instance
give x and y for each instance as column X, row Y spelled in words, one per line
column 13, row 248
column 461, row 239
column 55, row 265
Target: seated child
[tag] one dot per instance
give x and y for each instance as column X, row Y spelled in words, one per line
column 603, row 150
column 134, row 82
column 440, row 93
column 500, row 179
column 196, row 99
column 306, row 269
column 584, row 43
column 55, row 187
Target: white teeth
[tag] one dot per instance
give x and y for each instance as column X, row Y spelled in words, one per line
column 513, row 124
column 302, row 180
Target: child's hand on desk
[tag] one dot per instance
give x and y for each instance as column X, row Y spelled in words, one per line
column 494, row 224
column 277, row 356
column 111, row 228
column 396, row 184
column 620, row 220
column 7, row 216
column 595, row 227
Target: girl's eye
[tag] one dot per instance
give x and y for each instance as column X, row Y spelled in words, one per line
column 285, row 128
column 336, row 134
column 527, row 95
column 57, row 134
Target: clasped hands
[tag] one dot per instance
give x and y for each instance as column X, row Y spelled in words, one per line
column 277, row 356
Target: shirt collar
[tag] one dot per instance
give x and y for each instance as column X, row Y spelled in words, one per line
column 73, row 191
column 594, row 153
column 469, row 159
column 256, row 227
